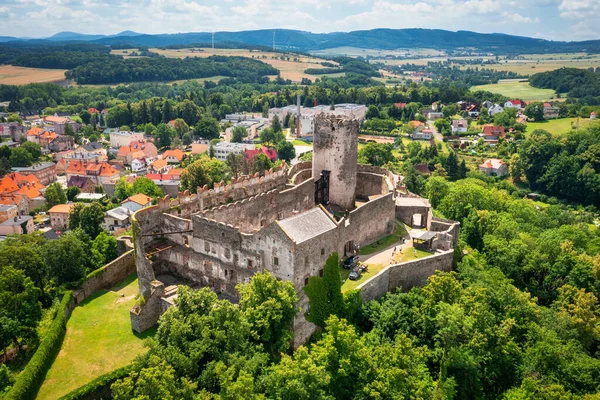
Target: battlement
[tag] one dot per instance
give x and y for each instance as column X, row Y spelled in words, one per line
column 240, row 183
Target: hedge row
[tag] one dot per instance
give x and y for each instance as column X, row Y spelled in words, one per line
column 94, row 389
column 30, row 380
column 371, row 132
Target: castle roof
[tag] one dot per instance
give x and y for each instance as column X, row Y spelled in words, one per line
column 307, row 225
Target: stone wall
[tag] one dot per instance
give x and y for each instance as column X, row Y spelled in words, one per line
column 449, row 231
column 107, row 276
column 405, row 275
column 370, row 221
column 370, row 184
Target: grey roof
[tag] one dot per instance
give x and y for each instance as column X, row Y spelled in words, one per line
column 92, row 146
column 427, row 235
column 307, row 225
column 412, row 202
column 120, row 213
column 35, row 167
column 19, row 221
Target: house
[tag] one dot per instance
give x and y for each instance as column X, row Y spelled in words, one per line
column 416, row 126
column 522, row 121
column 494, row 166
column 90, row 197
column 138, row 166
column 495, row 109
column 61, row 143
column 8, row 212
column 91, row 148
column 136, row 202
column 460, row 125
column 117, row 218
column 33, row 134
column 250, row 154
column 425, row 134
column 58, row 124
column 136, row 149
column 223, row 149
column 473, row 111
column 400, row 105
column 550, row 112
column 21, row 202
column 92, row 110
column 45, row 138
column 173, row 156
column 59, row 216
column 593, row 115
column 44, row 171
column 158, row 167
column 120, row 138
column 27, row 186
column 13, row 130
column 98, row 172
column 513, row 104
column 491, row 134
column 17, row 226
column 85, row 184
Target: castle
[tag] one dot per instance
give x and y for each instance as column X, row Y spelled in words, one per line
column 287, row 222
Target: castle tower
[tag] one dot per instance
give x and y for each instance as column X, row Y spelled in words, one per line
column 335, row 149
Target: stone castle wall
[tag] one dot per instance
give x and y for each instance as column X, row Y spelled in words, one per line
column 405, row 275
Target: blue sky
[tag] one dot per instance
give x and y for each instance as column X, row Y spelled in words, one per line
column 548, row 19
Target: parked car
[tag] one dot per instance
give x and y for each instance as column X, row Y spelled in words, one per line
column 356, row 273
column 350, row 262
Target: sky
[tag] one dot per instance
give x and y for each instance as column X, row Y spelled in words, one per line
column 548, row 19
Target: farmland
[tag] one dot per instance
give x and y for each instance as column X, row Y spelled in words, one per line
column 558, row 126
column 290, row 69
column 11, row 75
column 519, row 90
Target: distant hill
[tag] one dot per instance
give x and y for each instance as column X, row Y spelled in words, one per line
column 383, row 39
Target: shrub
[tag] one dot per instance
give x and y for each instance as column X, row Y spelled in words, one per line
column 98, row 385
column 29, row 381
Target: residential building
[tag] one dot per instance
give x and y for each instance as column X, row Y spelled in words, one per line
column 158, row 167
column 33, row 134
column 117, row 218
column 593, row 115
column 98, row 172
column 138, row 166
column 495, row 109
column 58, row 124
column 91, row 148
column 124, row 138
column 513, row 104
column 138, row 149
column 473, row 111
column 249, row 154
column 223, row 149
column 20, row 201
column 175, row 156
column 460, row 126
column 59, row 216
column 61, row 143
column 494, row 166
column 416, row 126
column 90, row 197
column 492, row 134
column 199, row 148
column 84, row 183
column 13, row 130
column 44, row 171
column 8, row 212
column 17, row 225
column 550, row 111
column 425, row 134
column 136, row 202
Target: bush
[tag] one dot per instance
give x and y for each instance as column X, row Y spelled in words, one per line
column 29, row 381
column 99, row 385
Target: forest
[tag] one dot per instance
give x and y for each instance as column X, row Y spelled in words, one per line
column 583, row 84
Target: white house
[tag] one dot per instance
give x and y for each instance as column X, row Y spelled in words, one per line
column 425, row 134
column 136, row 202
column 116, row 218
column 495, row 109
column 223, row 149
column 513, row 104
column 460, row 125
column 138, row 166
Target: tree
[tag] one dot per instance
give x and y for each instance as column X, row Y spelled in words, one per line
column 436, row 189
column 207, row 128
column 88, row 218
column 238, row 134
column 450, row 110
column 118, row 116
column 20, row 157
column 377, row 154
column 325, row 294
column 55, row 195
column 286, row 151
column 167, row 112
column 270, row 137
column 235, row 163
column 187, row 139
column 164, row 134
column 276, row 124
column 261, row 163
column 145, row 186
column 85, row 117
column 535, row 111
column 69, row 257
column 443, row 126
column 180, row 127
column 372, row 112
column 204, row 171
column 452, row 165
column 34, row 149
column 412, row 179
column 515, row 168
column 69, row 130
column 270, row 307
column 104, row 249
column 72, row 192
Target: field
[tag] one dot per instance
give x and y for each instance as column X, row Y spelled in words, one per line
column 11, row 75
column 356, row 52
column 519, row 90
column 558, row 126
column 99, row 339
column 289, row 68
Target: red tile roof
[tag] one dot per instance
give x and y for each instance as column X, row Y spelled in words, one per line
column 250, row 154
column 178, row 154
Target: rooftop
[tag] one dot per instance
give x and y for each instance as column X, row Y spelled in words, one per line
column 19, row 221
column 307, row 225
column 90, row 196
column 61, row 208
column 139, row 198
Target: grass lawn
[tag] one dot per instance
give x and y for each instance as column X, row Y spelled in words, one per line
column 408, row 254
column 99, row 339
column 298, row 142
column 557, row 126
column 350, row 284
column 520, row 90
column 399, row 232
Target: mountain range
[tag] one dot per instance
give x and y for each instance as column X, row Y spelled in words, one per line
column 383, row 39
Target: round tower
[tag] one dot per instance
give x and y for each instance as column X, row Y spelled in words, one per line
column 335, row 149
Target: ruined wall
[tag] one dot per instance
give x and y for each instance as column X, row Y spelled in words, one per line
column 405, row 275
column 335, row 148
column 406, row 213
column 145, row 221
column 393, row 179
column 370, row 221
column 257, row 212
column 369, row 184
column 448, row 232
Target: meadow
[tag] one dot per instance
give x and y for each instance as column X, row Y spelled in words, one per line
column 558, row 126
column 518, row 90
column 11, row 75
column 99, row 340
